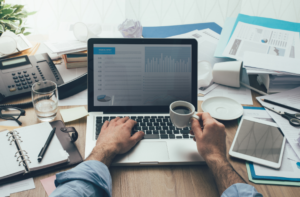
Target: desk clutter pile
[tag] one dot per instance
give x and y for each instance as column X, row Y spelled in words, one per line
column 266, row 50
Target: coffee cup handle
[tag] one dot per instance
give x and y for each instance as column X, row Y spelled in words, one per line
column 195, row 116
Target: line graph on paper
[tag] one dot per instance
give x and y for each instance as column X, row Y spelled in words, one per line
column 167, row 59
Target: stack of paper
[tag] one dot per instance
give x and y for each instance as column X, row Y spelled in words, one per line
column 64, row 43
column 266, row 46
column 279, row 82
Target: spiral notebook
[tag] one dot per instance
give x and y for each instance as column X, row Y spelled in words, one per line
column 19, row 150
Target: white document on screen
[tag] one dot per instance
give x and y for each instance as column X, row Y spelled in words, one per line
column 247, row 37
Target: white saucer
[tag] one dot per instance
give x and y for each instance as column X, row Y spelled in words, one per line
column 222, row 108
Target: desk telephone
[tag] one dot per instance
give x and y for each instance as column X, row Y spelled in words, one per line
column 18, row 74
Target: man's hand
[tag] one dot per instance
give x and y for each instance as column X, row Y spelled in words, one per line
column 210, row 137
column 115, row 138
column 211, row 144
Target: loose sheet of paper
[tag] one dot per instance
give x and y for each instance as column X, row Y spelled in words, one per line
column 8, row 125
column 23, row 185
column 247, row 37
column 6, row 190
column 72, row 114
column 224, row 37
column 288, row 169
column 258, row 114
column 271, row 63
column 48, row 184
column 290, row 98
column 64, row 42
column 241, row 95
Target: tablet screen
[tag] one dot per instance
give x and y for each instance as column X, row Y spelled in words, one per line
column 259, row 140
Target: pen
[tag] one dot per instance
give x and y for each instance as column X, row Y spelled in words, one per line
column 44, row 149
column 281, row 105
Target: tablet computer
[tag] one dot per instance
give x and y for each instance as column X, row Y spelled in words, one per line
column 258, row 141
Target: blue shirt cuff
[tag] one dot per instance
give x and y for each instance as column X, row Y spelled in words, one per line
column 241, row 190
column 91, row 171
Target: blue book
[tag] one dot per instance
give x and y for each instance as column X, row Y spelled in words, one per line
column 167, row 31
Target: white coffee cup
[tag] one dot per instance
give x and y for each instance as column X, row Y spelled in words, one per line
column 228, row 73
column 181, row 120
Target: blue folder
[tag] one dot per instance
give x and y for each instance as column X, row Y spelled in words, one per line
column 266, row 22
column 254, row 176
column 167, row 31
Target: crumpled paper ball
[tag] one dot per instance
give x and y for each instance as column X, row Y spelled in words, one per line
column 131, row 29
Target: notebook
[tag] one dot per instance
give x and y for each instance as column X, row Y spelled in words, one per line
column 19, row 150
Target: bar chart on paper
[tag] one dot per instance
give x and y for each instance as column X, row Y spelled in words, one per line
column 167, row 59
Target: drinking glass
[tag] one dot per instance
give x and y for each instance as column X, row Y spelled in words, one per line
column 45, row 99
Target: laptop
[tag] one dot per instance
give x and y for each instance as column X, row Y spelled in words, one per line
column 140, row 78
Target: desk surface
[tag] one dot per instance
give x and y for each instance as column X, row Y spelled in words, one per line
column 165, row 181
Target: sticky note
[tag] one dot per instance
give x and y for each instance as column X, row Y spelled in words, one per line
column 48, row 184
column 72, row 114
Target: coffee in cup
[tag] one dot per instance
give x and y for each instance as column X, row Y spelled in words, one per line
column 181, row 113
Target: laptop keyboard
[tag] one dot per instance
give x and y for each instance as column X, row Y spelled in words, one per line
column 154, row 127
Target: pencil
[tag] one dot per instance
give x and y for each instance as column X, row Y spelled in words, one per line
column 281, row 105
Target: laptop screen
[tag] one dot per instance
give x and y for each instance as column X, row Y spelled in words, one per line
column 141, row 75
column 132, row 75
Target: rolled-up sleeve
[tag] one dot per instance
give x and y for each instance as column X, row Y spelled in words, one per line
column 90, row 178
column 241, row 190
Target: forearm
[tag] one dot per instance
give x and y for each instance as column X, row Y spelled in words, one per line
column 102, row 154
column 224, row 174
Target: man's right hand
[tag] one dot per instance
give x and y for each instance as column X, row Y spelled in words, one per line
column 211, row 143
column 210, row 136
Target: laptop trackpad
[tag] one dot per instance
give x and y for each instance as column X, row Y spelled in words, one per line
column 149, row 151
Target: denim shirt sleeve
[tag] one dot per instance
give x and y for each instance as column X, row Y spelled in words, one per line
column 90, row 178
column 241, row 190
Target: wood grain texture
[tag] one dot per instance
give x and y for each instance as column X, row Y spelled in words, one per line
column 173, row 181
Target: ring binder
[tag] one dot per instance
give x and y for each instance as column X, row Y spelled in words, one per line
column 18, row 152
column 13, row 136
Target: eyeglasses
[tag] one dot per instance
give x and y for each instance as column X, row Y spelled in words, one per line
column 12, row 113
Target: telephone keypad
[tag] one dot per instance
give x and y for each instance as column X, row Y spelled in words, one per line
column 19, row 81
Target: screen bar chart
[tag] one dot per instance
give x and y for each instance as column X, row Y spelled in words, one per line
column 167, row 59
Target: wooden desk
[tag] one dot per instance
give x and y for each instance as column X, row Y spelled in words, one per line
column 181, row 181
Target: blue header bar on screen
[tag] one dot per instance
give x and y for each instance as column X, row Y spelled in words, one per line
column 104, row 51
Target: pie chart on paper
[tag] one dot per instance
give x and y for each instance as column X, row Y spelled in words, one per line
column 103, row 98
